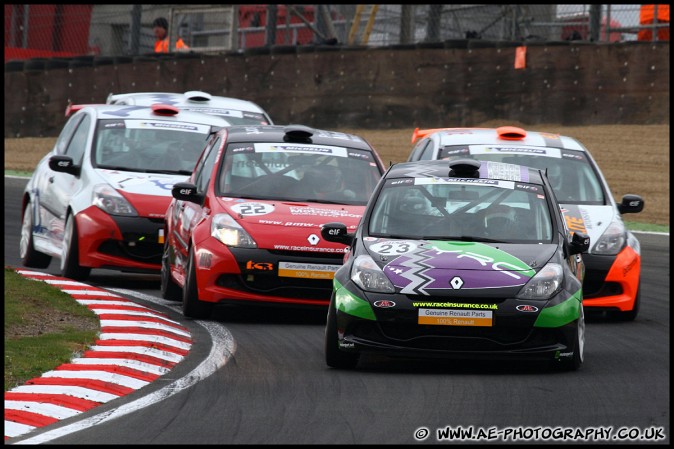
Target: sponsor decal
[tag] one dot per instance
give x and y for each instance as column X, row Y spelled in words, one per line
column 307, row 270
column 313, row 239
column 527, row 308
column 266, row 147
column 455, row 305
column 456, row 317
column 384, row 304
column 574, row 218
column 516, row 149
column 263, row 266
column 322, row 212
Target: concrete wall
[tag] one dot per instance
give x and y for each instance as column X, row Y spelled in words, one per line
column 455, row 83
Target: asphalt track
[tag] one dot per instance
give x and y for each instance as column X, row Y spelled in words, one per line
column 258, row 377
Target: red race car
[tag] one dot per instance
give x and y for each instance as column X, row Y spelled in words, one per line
column 246, row 226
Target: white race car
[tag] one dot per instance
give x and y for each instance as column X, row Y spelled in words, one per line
column 98, row 198
column 235, row 110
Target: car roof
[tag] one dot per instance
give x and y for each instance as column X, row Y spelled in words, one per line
column 507, row 135
column 157, row 112
column 189, row 98
column 465, row 169
column 295, row 133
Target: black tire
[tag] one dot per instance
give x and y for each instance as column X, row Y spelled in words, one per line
column 30, row 257
column 192, row 307
column 575, row 362
column 70, row 257
column 333, row 356
column 631, row 315
column 169, row 289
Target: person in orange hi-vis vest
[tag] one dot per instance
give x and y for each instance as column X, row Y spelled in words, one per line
column 160, row 29
column 647, row 16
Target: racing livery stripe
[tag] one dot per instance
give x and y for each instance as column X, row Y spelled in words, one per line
column 552, row 140
column 347, row 302
column 561, row 314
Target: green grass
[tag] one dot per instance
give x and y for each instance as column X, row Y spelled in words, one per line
column 646, row 227
column 44, row 328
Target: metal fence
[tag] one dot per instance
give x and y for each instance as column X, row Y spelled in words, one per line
column 126, row 30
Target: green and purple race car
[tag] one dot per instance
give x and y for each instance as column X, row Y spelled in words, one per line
column 460, row 259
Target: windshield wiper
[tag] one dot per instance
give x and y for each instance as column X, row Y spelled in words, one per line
column 120, row 168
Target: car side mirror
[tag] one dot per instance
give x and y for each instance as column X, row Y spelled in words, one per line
column 64, row 164
column 336, row 232
column 580, row 243
column 631, row 204
column 186, row 191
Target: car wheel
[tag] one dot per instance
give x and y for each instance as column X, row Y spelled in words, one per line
column 631, row 315
column 30, row 257
column 333, row 356
column 70, row 256
column 578, row 357
column 169, row 289
column 192, row 307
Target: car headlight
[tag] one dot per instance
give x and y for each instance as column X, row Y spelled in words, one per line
column 544, row 284
column 612, row 240
column 368, row 276
column 111, row 202
column 229, row 232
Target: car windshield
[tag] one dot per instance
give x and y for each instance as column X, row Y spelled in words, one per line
column 461, row 209
column 149, row 145
column 570, row 172
column 298, row 172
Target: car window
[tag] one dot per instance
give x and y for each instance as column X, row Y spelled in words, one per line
column 204, row 169
column 442, row 209
column 298, row 172
column 78, row 144
column 570, row 173
column 149, row 145
column 67, row 132
column 416, row 150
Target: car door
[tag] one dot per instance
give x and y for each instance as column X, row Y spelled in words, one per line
column 56, row 189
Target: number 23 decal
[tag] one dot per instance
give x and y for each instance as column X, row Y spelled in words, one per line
column 393, row 247
column 253, row 208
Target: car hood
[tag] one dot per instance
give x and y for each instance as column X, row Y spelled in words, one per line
column 427, row 267
column 293, row 226
column 149, row 193
column 591, row 219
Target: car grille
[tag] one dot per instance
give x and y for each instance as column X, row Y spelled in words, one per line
column 139, row 240
column 146, row 252
column 594, row 288
column 454, row 338
column 272, row 285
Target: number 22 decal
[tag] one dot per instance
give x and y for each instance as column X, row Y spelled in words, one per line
column 253, row 208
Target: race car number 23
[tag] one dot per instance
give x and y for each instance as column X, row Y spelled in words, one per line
column 253, row 208
column 393, row 247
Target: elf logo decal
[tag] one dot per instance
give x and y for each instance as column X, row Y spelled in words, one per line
column 527, row 308
column 384, row 304
column 262, row 266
